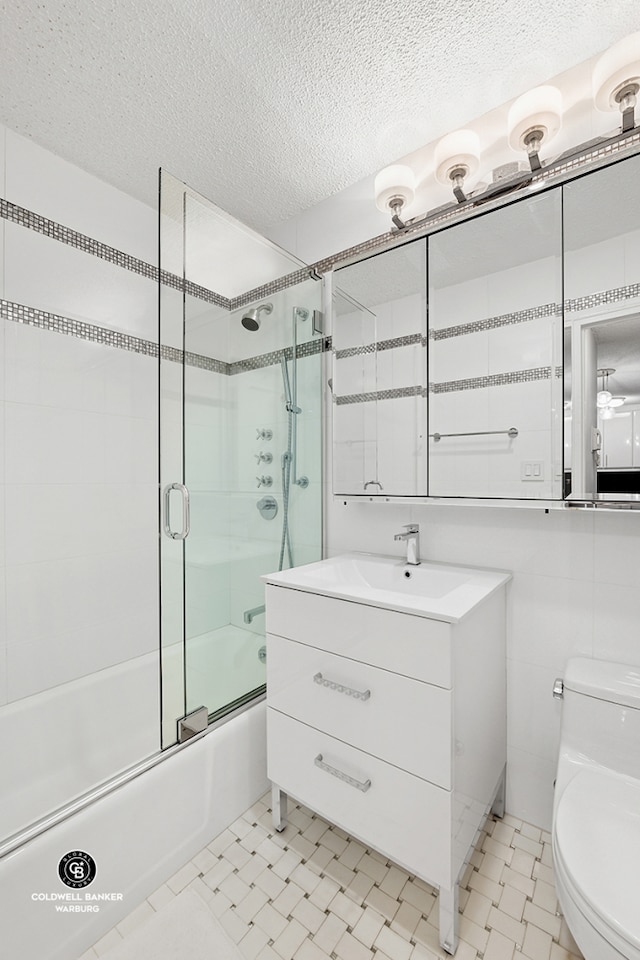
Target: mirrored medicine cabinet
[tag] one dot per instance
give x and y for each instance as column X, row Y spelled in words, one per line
column 497, row 358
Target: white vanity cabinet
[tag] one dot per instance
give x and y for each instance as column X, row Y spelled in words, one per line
column 390, row 724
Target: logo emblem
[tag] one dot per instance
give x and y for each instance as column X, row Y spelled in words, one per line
column 77, row 869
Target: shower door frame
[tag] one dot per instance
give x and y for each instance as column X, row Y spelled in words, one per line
column 175, row 288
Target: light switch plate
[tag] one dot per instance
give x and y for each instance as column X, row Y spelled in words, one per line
column 532, row 470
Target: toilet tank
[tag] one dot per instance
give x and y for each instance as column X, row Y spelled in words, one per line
column 600, row 718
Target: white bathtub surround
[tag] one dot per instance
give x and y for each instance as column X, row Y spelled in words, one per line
column 139, row 835
column 314, row 893
column 119, row 709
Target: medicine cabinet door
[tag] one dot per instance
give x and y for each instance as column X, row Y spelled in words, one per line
column 379, row 375
column 495, row 354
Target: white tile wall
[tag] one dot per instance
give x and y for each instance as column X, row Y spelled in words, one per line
column 59, row 278
column 78, row 494
column 521, row 346
column 397, row 428
column 3, row 643
column 462, row 303
column 333, row 224
column 459, row 358
column 3, row 631
column 56, row 189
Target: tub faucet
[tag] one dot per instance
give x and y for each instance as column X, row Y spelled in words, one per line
column 412, row 537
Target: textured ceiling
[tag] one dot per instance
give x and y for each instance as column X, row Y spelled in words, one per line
column 269, row 106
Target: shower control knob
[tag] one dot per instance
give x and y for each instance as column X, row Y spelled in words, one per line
column 263, row 457
column 263, row 433
column 264, row 481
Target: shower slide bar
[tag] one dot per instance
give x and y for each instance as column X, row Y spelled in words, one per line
column 511, row 433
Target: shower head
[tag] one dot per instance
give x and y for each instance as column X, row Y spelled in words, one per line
column 251, row 319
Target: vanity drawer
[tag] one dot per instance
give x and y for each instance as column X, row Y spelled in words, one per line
column 404, row 721
column 413, row 646
column 399, row 814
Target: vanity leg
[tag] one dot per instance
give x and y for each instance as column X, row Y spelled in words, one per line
column 278, row 808
column 448, row 918
column 497, row 808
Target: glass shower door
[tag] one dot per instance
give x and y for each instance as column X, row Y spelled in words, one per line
column 242, row 412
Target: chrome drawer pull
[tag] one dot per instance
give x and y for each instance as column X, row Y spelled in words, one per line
column 359, row 785
column 340, row 687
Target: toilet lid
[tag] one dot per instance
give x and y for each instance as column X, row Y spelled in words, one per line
column 597, row 834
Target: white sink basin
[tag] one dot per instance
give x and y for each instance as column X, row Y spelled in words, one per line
column 437, row 590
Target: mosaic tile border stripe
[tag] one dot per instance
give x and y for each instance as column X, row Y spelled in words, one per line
column 406, row 341
column 308, row 349
column 392, row 394
column 56, row 231
column 493, row 380
column 19, row 313
column 282, row 283
column 502, row 320
column 23, row 217
column 31, row 316
column 614, row 295
column 453, row 386
column 187, row 286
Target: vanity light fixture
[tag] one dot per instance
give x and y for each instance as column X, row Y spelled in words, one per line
column 457, row 158
column 394, row 190
column 616, row 79
column 534, row 118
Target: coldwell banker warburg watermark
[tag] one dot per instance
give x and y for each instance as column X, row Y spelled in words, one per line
column 77, row 870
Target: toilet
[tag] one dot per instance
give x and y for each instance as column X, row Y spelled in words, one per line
column 596, row 816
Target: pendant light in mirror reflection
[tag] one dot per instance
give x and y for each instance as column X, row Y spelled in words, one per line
column 605, row 400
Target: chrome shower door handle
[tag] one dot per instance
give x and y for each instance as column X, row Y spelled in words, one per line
column 186, row 512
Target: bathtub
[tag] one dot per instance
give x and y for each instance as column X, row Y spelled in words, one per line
column 64, row 741
column 138, row 835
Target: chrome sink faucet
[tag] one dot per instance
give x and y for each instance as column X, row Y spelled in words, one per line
column 412, row 537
